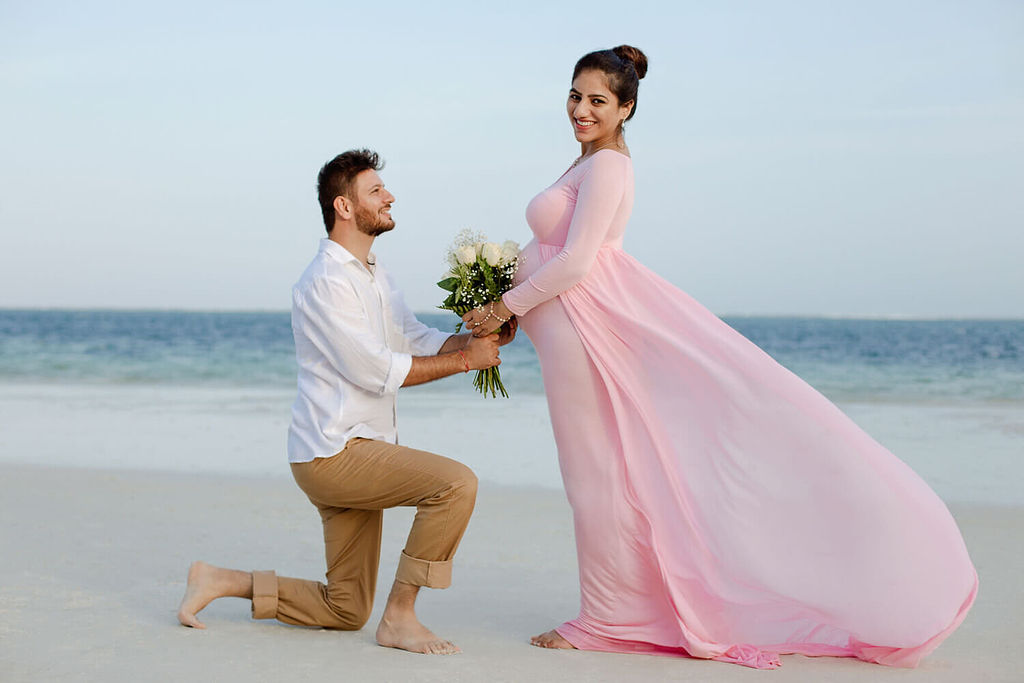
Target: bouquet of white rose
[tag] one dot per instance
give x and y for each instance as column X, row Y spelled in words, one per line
column 479, row 272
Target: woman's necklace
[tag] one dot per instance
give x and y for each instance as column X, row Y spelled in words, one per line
column 581, row 157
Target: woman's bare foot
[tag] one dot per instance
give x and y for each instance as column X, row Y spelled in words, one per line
column 207, row 583
column 551, row 640
column 405, row 632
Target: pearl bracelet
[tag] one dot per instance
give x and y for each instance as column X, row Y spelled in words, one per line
column 497, row 317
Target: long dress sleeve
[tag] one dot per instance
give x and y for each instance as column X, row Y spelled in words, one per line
column 601, row 191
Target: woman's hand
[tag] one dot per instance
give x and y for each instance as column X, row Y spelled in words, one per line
column 487, row 319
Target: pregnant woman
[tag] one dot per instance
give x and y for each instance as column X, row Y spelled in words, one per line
column 723, row 508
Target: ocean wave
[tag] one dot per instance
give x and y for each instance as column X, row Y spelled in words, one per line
column 847, row 359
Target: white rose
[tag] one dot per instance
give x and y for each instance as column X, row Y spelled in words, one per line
column 491, row 253
column 466, row 255
column 509, row 252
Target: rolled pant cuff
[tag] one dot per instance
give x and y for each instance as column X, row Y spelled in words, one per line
column 437, row 574
column 264, row 595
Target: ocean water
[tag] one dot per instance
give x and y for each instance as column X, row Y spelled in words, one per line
column 944, row 361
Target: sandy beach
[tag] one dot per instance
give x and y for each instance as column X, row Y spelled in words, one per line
column 95, row 561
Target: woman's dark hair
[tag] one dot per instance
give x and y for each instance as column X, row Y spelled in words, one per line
column 336, row 178
column 624, row 66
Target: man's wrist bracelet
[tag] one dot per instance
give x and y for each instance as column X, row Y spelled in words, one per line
column 459, row 351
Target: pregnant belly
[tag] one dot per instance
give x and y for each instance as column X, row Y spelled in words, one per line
column 532, row 257
column 529, row 262
column 537, row 322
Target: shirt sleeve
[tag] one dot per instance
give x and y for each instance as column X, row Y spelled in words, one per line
column 422, row 339
column 600, row 194
column 331, row 317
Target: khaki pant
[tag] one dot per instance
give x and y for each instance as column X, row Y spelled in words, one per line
column 351, row 491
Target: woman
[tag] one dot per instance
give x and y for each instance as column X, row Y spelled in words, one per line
column 723, row 508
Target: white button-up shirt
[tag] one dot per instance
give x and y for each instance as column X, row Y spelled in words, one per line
column 354, row 342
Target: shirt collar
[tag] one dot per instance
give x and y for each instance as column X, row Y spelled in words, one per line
column 343, row 255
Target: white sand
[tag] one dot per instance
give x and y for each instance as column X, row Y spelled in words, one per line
column 94, row 564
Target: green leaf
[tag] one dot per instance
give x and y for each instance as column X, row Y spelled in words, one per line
column 449, row 284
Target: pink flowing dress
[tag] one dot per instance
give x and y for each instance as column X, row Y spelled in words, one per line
column 723, row 508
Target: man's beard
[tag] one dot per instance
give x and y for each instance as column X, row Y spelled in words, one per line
column 372, row 224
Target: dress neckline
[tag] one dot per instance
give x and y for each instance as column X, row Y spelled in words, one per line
column 577, row 164
column 580, row 164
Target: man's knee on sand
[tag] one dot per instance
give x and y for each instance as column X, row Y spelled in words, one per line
column 347, row 615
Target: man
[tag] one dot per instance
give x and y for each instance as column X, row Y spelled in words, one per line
column 356, row 343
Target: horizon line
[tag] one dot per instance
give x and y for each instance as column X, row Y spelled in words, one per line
column 895, row 317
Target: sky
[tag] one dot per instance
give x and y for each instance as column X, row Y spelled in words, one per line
column 791, row 158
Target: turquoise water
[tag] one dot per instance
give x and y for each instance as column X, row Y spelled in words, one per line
column 848, row 360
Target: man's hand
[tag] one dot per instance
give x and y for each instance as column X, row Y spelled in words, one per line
column 508, row 331
column 482, row 352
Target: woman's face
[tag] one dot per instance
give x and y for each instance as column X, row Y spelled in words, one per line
column 594, row 110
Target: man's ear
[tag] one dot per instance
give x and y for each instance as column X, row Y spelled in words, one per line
column 343, row 208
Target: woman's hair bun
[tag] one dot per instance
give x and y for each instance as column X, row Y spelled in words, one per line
column 635, row 55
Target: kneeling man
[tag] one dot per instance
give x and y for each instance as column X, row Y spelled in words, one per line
column 356, row 343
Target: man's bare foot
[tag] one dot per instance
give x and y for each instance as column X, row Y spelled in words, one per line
column 551, row 640
column 400, row 628
column 405, row 632
column 207, row 583
column 198, row 594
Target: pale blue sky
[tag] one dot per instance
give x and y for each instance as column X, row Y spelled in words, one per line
column 837, row 158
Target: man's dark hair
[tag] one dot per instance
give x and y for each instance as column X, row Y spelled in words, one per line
column 337, row 177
